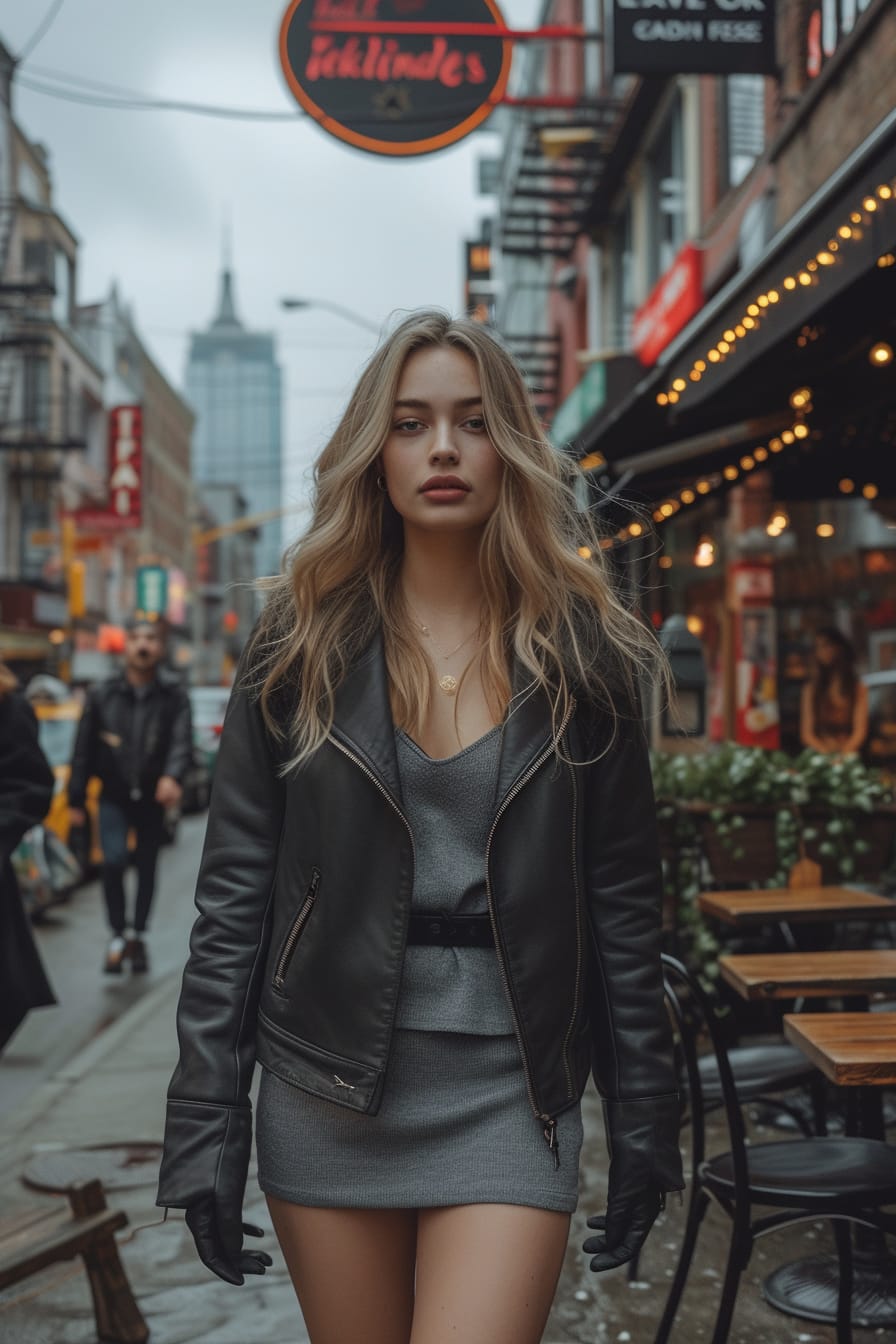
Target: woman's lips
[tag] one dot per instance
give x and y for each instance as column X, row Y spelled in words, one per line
column 445, row 494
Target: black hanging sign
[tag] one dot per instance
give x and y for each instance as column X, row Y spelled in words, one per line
column 694, row 37
column 390, row 76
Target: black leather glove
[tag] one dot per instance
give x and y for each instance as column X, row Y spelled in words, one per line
column 645, row 1161
column 218, row 1233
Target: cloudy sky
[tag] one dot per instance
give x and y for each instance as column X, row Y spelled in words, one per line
column 147, row 192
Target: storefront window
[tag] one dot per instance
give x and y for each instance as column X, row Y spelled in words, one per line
column 666, row 188
column 742, row 126
column 36, row 407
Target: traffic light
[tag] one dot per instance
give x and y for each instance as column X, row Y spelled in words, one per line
column 77, row 605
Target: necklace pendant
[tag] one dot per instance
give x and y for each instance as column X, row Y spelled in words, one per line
column 448, row 684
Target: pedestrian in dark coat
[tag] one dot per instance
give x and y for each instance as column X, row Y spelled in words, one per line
column 26, row 790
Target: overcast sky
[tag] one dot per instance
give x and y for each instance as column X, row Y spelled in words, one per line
column 147, row 192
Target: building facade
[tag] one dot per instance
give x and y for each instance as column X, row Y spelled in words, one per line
column 233, row 382
column 698, row 274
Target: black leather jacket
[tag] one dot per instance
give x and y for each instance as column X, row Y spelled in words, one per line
column 104, row 746
column 304, row 894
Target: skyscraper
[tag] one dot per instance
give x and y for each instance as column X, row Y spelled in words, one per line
column 233, row 383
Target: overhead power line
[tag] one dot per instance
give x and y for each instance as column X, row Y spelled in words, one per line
column 139, row 102
column 41, row 30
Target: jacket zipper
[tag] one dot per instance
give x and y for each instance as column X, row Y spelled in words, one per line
column 575, row 997
column 297, row 925
column 549, row 1123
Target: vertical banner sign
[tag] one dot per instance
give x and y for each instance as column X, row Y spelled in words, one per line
column 757, row 713
column 390, row 76
column 125, row 506
column 477, row 281
column 694, row 37
column 152, row 591
column 674, row 300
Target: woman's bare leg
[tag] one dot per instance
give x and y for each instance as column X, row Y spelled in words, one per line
column 352, row 1269
column 486, row 1273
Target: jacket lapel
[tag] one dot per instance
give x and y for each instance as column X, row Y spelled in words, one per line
column 363, row 720
column 363, row 716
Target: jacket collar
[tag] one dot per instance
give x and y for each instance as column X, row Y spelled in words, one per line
column 363, row 720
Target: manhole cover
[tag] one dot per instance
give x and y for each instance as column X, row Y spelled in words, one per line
column 120, row 1166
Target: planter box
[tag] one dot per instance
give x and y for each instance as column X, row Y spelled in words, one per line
column 758, row 864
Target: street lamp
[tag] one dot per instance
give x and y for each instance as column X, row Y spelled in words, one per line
column 347, row 313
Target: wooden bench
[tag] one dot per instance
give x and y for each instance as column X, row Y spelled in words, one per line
column 88, row 1230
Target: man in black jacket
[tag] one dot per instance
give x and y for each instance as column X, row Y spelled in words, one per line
column 136, row 736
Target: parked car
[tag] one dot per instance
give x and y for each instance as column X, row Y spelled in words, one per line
column 208, row 705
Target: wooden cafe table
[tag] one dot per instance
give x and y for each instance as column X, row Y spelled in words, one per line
column 776, row 905
column 808, row 1288
column 852, row 1049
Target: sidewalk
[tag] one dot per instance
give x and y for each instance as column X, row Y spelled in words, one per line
column 113, row 1092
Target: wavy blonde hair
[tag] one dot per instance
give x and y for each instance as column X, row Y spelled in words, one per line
column 555, row 610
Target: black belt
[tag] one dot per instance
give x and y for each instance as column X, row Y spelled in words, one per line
column 451, row 931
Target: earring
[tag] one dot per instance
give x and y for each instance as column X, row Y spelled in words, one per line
column 381, row 482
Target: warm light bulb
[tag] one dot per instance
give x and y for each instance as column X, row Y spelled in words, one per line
column 687, row 496
column 665, row 562
column 713, row 356
column 703, row 487
column 679, row 384
column 753, row 308
column 805, row 278
column 730, row 473
column 869, row 204
column 846, row 486
column 672, row 398
column 729, row 335
column 635, row 529
column 585, row 552
column 788, row 436
column 695, row 624
column 705, row 554
column 845, row 231
column 700, row 365
column 773, row 296
column 789, row 282
column 747, row 462
column 666, row 510
column 662, row 399
column 775, row 445
column 886, row 260
column 826, row 258
column 825, row 529
column 855, row 217
column 885, row 191
column 760, row 454
column 695, row 376
column 801, row 431
column 800, row 397
column 881, row 354
column 870, row 491
column 740, row 331
column 749, row 323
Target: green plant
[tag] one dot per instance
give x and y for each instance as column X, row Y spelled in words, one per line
column 812, row 802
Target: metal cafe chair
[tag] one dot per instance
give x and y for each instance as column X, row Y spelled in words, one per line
column 846, row 1180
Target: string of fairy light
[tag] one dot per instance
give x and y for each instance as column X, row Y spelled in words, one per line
column 849, row 232
column 881, row 354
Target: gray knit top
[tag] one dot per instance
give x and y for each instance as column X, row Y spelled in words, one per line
column 450, row 804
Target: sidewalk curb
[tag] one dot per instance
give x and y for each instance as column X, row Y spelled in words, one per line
column 53, row 1089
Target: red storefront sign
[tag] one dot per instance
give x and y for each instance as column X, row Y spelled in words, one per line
column 369, row 74
column 674, row 300
column 124, row 509
column 757, row 713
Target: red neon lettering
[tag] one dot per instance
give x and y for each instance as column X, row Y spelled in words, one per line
column 475, row 68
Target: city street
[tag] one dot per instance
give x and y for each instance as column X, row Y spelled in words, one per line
column 93, row 1072
column 72, row 941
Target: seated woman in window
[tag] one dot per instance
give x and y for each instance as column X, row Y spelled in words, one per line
column 834, row 707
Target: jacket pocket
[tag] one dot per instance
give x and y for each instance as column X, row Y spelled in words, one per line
column 295, row 932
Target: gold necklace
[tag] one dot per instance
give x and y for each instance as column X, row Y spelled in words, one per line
column 446, row 682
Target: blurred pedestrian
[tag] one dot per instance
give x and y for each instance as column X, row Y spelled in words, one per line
column 26, row 791
column 135, row 736
column 834, row 705
column 430, row 893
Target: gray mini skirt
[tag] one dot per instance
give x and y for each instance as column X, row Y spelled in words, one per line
column 454, row 1127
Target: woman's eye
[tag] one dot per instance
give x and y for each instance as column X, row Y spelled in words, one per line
column 475, row 423
column 410, row 425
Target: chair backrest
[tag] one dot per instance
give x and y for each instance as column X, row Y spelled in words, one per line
column 692, row 1008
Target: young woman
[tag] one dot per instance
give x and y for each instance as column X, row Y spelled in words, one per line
column 430, row 894
column 834, row 705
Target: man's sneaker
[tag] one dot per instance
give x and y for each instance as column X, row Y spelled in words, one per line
column 136, row 953
column 115, row 954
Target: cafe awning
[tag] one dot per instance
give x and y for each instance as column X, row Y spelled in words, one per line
column 806, row 316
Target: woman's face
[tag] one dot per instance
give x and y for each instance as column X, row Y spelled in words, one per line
column 442, row 470
column 825, row 651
